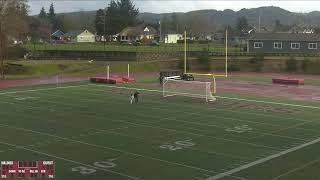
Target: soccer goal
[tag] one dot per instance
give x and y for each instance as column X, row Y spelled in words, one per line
column 174, row 86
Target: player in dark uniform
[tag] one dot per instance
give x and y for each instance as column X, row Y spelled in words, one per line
column 136, row 97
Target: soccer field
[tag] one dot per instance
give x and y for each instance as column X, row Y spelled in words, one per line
column 92, row 132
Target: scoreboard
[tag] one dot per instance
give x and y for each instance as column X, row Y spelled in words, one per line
column 27, row 169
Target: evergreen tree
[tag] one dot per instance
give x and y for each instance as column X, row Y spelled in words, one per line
column 51, row 14
column 52, row 18
column 120, row 14
column 99, row 22
column 13, row 23
column 242, row 23
column 42, row 13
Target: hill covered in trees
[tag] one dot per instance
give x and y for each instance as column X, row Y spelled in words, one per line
column 203, row 20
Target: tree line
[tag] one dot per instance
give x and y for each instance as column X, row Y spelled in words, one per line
column 115, row 17
column 13, row 23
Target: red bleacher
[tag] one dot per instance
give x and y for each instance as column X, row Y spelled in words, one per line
column 288, row 81
column 112, row 80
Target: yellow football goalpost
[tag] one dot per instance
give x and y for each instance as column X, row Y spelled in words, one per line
column 207, row 74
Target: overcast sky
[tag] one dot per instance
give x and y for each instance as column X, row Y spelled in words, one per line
column 162, row 6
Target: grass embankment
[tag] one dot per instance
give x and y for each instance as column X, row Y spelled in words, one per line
column 31, row 69
column 127, row 48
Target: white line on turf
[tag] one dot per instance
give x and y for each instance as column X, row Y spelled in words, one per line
column 105, row 147
column 211, row 152
column 233, row 119
column 197, row 134
column 40, row 89
column 69, row 160
column 141, row 89
column 254, row 163
column 232, row 98
column 159, row 91
column 227, row 110
column 283, row 129
column 297, row 169
column 194, row 149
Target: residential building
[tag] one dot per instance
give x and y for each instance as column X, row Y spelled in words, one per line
column 172, row 37
column 57, row 35
column 283, row 43
column 137, row 33
column 86, row 36
column 79, row 36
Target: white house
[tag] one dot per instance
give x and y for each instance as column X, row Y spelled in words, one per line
column 137, row 33
column 86, row 36
column 172, row 38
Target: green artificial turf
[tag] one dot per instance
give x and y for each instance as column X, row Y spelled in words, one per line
column 92, row 132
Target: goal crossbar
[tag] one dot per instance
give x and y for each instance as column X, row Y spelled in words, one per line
column 198, row 89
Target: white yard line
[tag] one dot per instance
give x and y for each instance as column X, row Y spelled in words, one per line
column 297, row 169
column 147, row 124
column 224, row 97
column 174, row 119
column 159, row 91
column 68, row 160
column 109, row 148
column 283, row 129
column 260, row 161
column 269, row 102
column 40, row 89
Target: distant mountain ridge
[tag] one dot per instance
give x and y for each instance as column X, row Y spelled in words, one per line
column 209, row 20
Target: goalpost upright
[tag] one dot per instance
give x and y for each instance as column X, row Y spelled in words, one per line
column 128, row 71
column 207, row 74
column 173, row 85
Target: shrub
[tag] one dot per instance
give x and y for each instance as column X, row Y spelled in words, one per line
column 181, row 64
column 257, row 61
column 203, row 59
column 291, row 65
column 16, row 52
column 11, row 68
column 304, row 65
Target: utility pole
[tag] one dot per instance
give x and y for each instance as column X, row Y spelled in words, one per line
column 160, row 39
column 2, row 50
column 259, row 20
column 259, row 23
column 104, row 29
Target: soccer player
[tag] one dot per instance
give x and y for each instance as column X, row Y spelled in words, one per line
column 136, row 96
column 131, row 98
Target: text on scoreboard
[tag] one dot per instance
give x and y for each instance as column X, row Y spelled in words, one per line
column 27, row 169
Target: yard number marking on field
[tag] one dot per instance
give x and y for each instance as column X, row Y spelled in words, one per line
column 239, row 129
column 100, row 164
column 178, row 145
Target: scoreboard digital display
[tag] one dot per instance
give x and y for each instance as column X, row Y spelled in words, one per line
column 27, row 169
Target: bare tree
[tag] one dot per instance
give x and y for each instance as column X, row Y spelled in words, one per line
column 13, row 24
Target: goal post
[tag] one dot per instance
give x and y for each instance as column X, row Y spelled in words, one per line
column 174, row 86
column 185, row 64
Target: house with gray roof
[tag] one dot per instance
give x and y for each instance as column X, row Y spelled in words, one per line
column 57, row 35
column 283, row 43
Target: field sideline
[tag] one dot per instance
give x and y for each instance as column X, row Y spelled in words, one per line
column 92, row 132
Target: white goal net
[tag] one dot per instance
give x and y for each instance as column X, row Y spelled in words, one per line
column 174, row 86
